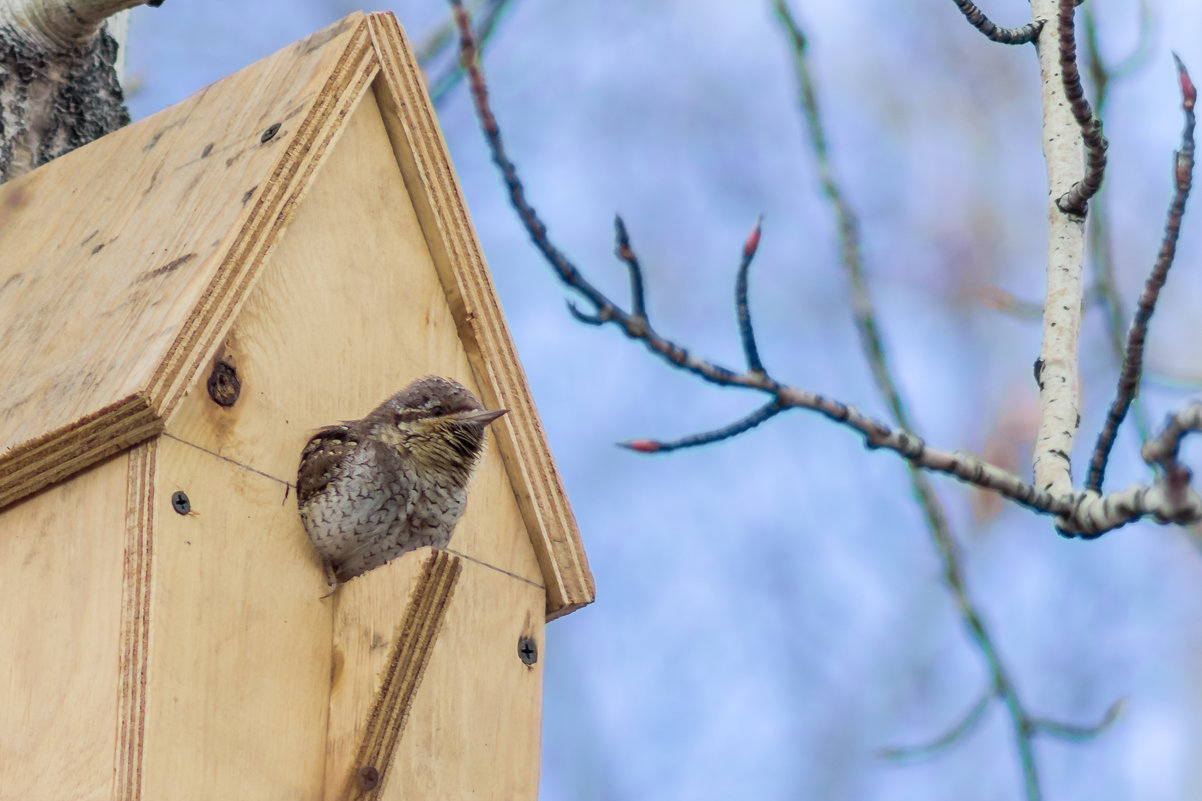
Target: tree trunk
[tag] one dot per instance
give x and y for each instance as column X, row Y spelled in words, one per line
column 59, row 86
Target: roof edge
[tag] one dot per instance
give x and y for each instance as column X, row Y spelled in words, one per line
column 422, row 157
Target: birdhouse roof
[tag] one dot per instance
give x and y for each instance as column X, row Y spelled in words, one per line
column 123, row 265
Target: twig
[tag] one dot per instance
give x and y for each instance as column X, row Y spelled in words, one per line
column 437, row 41
column 1068, row 731
column 638, row 302
column 977, row 19
column 1075, row 200
column 957, row 732
column 1183, row 169
column 1101, row 75
column 746, row 332
column 726, row 432
column 848, row 224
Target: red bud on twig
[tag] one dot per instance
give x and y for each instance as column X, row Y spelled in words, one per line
column 753, row 239
column 1189, row 93
column 641, row 445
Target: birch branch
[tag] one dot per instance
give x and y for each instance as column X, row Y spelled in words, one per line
column 1059, row 380
column 59, row 87
column 53, row 25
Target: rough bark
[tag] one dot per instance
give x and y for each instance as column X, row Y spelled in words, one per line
column 58, row 81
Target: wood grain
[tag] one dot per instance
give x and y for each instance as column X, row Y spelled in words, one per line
column 122, row 262
column 59, row 643
column 135, row 621
column 348, row 310
column 237, row 675
column 472, row 728
column 400, row 677
column 422, row 156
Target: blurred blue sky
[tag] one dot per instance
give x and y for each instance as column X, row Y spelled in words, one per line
column 770, row 610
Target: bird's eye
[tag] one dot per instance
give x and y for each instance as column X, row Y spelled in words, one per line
column 437, row 410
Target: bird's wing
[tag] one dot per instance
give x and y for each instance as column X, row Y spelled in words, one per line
column 322, row 459
column 392, row 483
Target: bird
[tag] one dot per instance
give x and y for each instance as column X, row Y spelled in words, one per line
column 370, row 490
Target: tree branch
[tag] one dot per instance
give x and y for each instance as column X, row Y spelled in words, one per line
column 53, row 25
column 976, row 18
column 1085, row 514
column 1059, row 393
column 1073, row 201
column 1129, row 378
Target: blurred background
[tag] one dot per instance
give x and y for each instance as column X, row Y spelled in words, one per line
column 770, row 610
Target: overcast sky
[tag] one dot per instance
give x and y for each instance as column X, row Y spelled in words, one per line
column 770, row 610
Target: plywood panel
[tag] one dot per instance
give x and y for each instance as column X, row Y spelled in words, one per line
column 61, row 559
column 348, row 310
column 384, row 635
column 237, row 682
column 473, row 730
column 470, row 728
column 122, row 262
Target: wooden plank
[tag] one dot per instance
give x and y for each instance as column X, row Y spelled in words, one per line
column 394, row 674
column 122, row 263
column 472, row 728
column 237, row 677
column 422, row 156
column 348, row 310
column 62, row 619
column 135, row 621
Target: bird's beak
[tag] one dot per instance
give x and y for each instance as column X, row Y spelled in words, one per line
column 481, row 418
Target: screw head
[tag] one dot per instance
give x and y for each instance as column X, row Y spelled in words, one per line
column 367, row 777
column 527, row 650
column 270, row 132
column 180, row 502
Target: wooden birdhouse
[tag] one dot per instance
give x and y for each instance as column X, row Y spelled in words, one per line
column 182, row 303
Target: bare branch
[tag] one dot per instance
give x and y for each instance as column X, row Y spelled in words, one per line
column 447, row 35
column 1183, row 169
column 1069, row 731
column 1161, row 451
column 1085, row 514
column 1075, row 200
column 953, row 735
column 746, row 332
column 623, row 250
column 733, row 430
column 1059, row 393
column 1101, row 75
column 977, row 19
column 848, row 223
column 60, row 24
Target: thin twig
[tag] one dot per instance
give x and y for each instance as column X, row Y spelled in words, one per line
column 1069, row 731
column 746, row 331
column 726, row 432
column 953, row 735
column 1099, row 226
column 1074, row 201
column 873, row 347
column 1183, row 169
column 977, row 19
column 847, row 221
column 623, row 250
column 437, row 41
